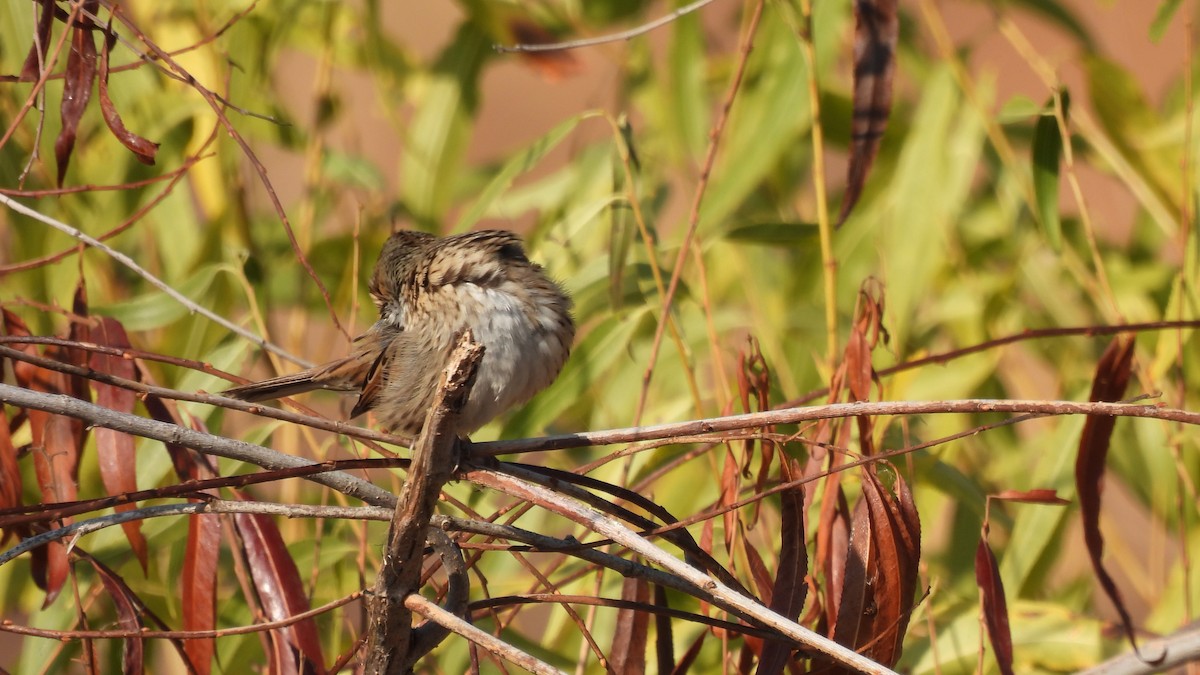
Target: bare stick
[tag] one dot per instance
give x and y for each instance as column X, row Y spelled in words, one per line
column 389, row 629
column 604, row 39
column 199, row 441
column 490, row 642
column 154, row 281
column 718, row 425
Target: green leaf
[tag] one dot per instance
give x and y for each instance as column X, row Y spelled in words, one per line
column 519, row 164
column 774, row 233
column 1162, row 18
column 1058, row 14
column 1047, row 154
column 441, row 127
column 157, row 309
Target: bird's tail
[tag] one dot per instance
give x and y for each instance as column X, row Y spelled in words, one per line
column 277, row 387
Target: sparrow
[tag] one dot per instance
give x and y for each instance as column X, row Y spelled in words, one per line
column 428, row 289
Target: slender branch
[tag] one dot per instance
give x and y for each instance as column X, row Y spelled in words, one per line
column 726, row 598
column 154, row 281
column 80, row 528
column 143, row 634
column 493, row 644
column 1176, row 650
column 389, row 627
column 718, row 425
column 604, row 39
column 190, row 438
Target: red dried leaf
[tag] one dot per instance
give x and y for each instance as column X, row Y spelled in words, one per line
column 758, row 571
column 128, row 617
column 729, row 493
column 995, row 608
column 1038, row 496
column 790, row 590
column 200, row 588
column 115, row 449
column 297, row 648
column 56, row 445
column 628, row 652
column 36, row 58
column 10, row 471
column 551, row 65
column 855, row 601
column 876, row 29
column 188, row 464
column 1112, row 377
column 141, row 148
column 881, row 572
column 77, row 85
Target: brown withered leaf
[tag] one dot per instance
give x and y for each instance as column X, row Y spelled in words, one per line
column 144, row 150
column 295, row 648
column 199, row 593
column 129, row 616
column 876, row 30
column 628, row 651
column 10, row 471
column 55, row 447
column 1037, row 496
column 115, row 449
column 39, row 50
column 1112, row 377
column 789, row 590
column 77, row 85
column 995, row 607
column 554, row 65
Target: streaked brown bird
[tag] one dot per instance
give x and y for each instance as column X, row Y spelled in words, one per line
column 427, row 290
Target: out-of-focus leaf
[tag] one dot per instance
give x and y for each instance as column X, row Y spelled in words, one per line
column 628, row 652
column 128, row 617
column 1162, row 18
column 774, row 234
column 1018, row 109
column 199, row 592
column 1112, row 377
column 141, row 148
column 115, row 449
column 441, row 126
column 157, row 309
column 519, row 164
column 995, row 607
column 876, row 29
column 1058, row 13
column 687, row 103
column 77, row 85
column 352, row 170
column 1047, row 153
column 689, row 657
column 553, row 65
column 1040, row 496
column 295, row 648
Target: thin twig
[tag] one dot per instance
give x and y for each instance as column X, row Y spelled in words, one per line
column 694, row 217
column 604, row 39
column 493, row 644
column 208, row 444
column 726, row 597
column 154, row 281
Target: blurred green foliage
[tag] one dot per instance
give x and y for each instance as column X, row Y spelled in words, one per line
column 948, row 222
